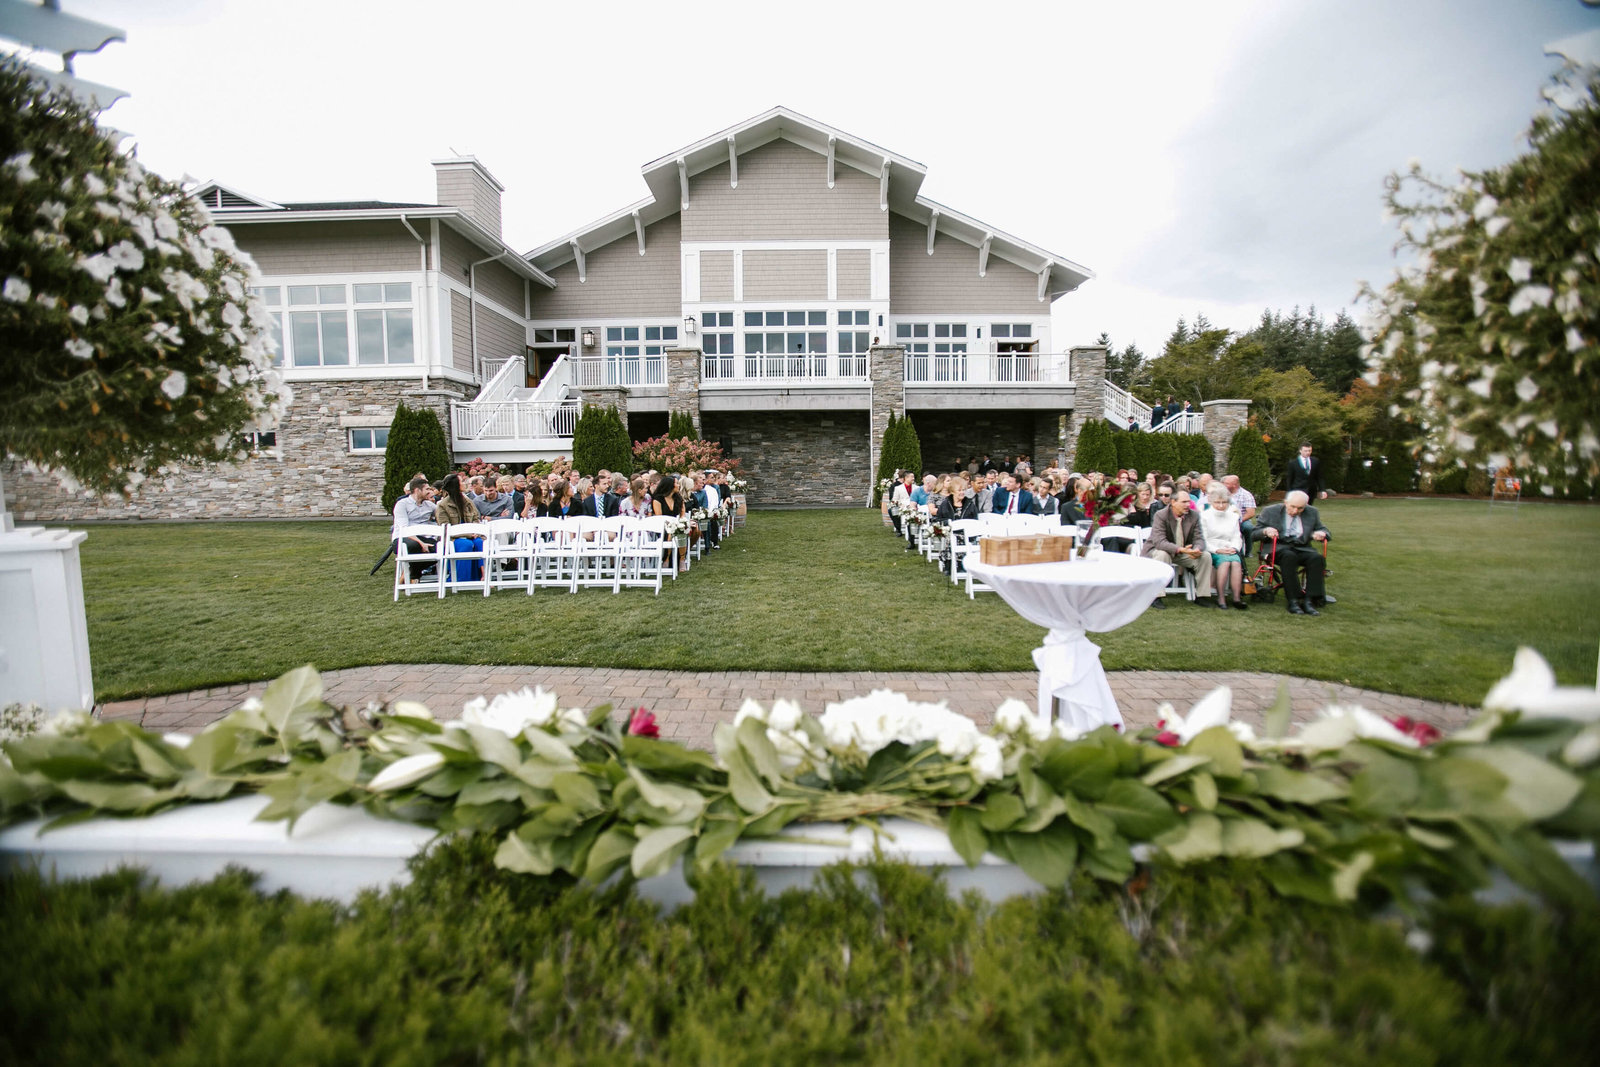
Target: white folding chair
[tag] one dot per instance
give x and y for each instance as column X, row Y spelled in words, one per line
column 1182, row 580
column 466, row 560
column 509, row 553
column 405, row 556
column 1135, row 534
column 554, row 554
column 964, row 538
column 640, row 553
column 599, row 550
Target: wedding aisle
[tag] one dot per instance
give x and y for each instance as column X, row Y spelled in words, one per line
column 688, row 704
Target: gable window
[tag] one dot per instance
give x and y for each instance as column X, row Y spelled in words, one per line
column 369, row 439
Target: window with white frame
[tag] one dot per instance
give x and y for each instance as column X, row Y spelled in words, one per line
column 367, row 324
column 1013, row 336
column 716, row 333
column 272, row 297
column 369, row 439
column 855, row 337
column 794, row 344
column 935, row 351
column 635, row 354
column 258, row 440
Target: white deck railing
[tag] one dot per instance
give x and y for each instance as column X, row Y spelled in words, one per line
column 509, row 375
column 598, row 372
column 507, row 421
column 1194, row 422
column 815, row 368
column 1120, row 404
column 988, row 368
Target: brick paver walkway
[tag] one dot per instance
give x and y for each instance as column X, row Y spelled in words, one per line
column 690, row 703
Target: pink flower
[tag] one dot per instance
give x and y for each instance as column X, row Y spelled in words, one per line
column 643, row 724
column 1424, row 733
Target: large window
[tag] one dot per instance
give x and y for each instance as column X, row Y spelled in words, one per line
column 786, row 344
column 635, row 354
column 935, row 351
column 855, row 338
column 716, row 333
column 366, row 324
column 272, row 296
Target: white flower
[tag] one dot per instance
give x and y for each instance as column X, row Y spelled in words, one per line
column 1531, row 689
column 79, row 314
column 1011, row 716
column 1066, row 731
column 53, row 210
column 411, row 709
column 1486, row 206
column 99, row 266
column 1496, row 225
column 92, row 182
column 251, row 704
column 1242, row 732
column 1527, row 389
column 1584, row 748
column 176, row 384
column 785, row 715
column 166, row 331
column 167, row 226
column 1575, row 341
column 16, row 291
column 1214, row 709
column 511, row 713
column 78, row 348
column 22, row 163
column 66, row 723
column 1483, row 386
column 114, row 294
column 126, row 256
column 407, row 771
column 1569, row 303
column 749, row 710
column 956, row 743
column 572, row 719
column 1520, row 270
column 1549, row 427
column 988, row 762
column 1338, row 726
column 1529, row 297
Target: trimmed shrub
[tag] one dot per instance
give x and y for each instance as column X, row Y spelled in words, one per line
column 1399, row 469
column 1195, row 452
column 680, row 424
column 1164, row 454
column 1098, row 447
column 1355, row 473
column 886, row 456
column 1247, row 458
column 416, row 443
column 600, row 441
column 910, row 446
column 1451, row 482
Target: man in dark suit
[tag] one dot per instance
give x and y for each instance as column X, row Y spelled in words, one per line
column 986, row 465
column 1295, row 528
column 1175, row 538
column 1158, row 414
column 1011, row 499
column 1305, row 474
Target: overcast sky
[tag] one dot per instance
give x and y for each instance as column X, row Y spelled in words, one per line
column 1217, row 157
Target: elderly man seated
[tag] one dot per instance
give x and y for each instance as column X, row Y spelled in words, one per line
column 1175, row 538
column 1294, row 527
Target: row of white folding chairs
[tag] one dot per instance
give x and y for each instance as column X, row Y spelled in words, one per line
column 529, row 554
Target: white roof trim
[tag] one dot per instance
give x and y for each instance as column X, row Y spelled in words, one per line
column 1010, row 248
column 202, row 188
column 786, row 118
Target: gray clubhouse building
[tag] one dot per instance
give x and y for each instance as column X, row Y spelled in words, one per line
column 783, row 282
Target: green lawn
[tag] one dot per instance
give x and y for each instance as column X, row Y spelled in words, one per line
column 1435, row 596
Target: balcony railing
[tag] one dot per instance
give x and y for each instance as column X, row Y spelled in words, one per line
column 814, row 368
column 987, row 368
column 599, row 372
column 507, row 421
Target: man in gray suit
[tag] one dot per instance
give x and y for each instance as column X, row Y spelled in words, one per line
column 1175, row 538
column 1295, row 528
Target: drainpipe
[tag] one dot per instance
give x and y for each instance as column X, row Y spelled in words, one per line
column 422, row 304
column 472, row 304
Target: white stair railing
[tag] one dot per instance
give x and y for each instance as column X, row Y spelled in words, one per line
column 511, row 375
column 1120, row 405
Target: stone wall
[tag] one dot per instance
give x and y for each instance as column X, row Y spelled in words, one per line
column 319, row 477
column 797, row 459
column 1223, row 419
column 886, row 367
column 683, row 382
column 1088, row 369
column 949, row 436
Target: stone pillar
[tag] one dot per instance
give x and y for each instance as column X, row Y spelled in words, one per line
column 886, row 368
column 1088, row 369
column 1046, row 440
column 1223, row 419
column 604, row 396
column 683, row 383
column 437, row 401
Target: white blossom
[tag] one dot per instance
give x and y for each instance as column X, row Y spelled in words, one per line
column 114, row 295
column 1568, row 303
column 175, row 384
column 126, row 256
column 1527, row 389
column 167, row 227
column 512, row 713
column 78, row 348
column 22, row 164
column 1529, row 297
column 1520, row 270
column 99, row 266
column 55, row 211
column 1575, row 341
column 164, row 331
column 16, row 291
column 1531, row 689
column 79, row 314
column 1495, row 226
column 93, row 183
column 988, row 762
column 407, row 771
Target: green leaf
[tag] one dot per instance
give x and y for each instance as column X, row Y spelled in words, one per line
column 550, row 748
column 524, row 857
column 781, row 815
column 965, row 827
column 654, row 755
column 748, row 792
column 1038, row 818
column 1430, row 839
column 1253, row 838
column 658, row 848
column 114, row 796
column 577, row 791
column 1082, row 766
column 716, row 837
column 1205, row 791
column 1535, row 787
column 488, row 791
column 1347, row 878
column 1385, row 787
column 1139, row 811
column 611, row 850
column 1198, row 838
column 677, row 803
column 1582, row 817
column 1086, row 815
column 286, row 694
column 1278, row 718
column 159, row 760
column 1172, row 766
column 1297, row 787
column 1227, row 758
column 1047, row 856
column 1001, row 811
column 1111, row 861
column 752, row 735
column 493, row 746
column 1299, row 876
column 1453, row 786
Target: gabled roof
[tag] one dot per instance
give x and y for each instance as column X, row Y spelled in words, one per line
column 219, row 197
column 351, row 205
column 664, row 177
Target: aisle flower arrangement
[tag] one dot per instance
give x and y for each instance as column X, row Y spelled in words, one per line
column 1349, row 807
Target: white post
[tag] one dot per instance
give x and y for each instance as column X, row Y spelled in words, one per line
column 44, row 631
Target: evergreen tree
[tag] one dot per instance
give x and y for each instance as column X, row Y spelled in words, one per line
column 1399, row 469
column 910, row 447
column 600, row 441
column 1097, row 447
column 416, row 443
column 681, row 424
column 1164, row 454
column 1247, row 458
column 1355, row 473
column 886, row 457
column 1195, row 452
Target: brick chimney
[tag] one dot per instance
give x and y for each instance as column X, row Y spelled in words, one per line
column 466, row 184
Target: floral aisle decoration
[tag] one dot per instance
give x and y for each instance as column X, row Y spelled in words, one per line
column 1347, row 808
column 1104, row 505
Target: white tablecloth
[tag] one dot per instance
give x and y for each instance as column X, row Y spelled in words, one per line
column 1100, row 594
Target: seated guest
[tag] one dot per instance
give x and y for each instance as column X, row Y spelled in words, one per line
column 587, row 502
column 455, row 509
column 414, row 509
column 960, row 504
column 1012, row 499
column 533, row 500
column 922, row 493
column 1219, row 525
column 636, row 504
column 474, row 489
column 1244, row 502
column 519, row 495
column 1175, row 538
column 560, row 505
column 1294, row 527
column 1046, row 502
column 1164, row 493
column 613, row 498
column 496, row 503
column 665, row 499
column 1070, row 501
column 986, row 489
column 1138, row 515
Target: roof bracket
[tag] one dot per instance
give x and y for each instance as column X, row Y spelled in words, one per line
column 832, row 142
column 883, row 188
column 683, row 182
column 983, row 255
column 577, row 254
column 1044, row 279
column 638, row 228
column 733, row 165
column 933, row 228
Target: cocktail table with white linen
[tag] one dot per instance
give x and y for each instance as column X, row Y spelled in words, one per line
column 1100, row 593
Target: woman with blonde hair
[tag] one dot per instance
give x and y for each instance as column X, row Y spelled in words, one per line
column 1219, row 526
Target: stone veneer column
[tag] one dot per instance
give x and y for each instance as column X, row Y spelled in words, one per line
column 437, row 401
column 1088, row 370
column 608, row 396
column 886, row 368
column 683, row 383
column 1223, row 419
column 1046, row 439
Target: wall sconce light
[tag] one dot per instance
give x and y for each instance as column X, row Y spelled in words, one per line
column 690, row 325
column 588, row 338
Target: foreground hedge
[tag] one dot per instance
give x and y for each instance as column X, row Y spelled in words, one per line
column 470, row 964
